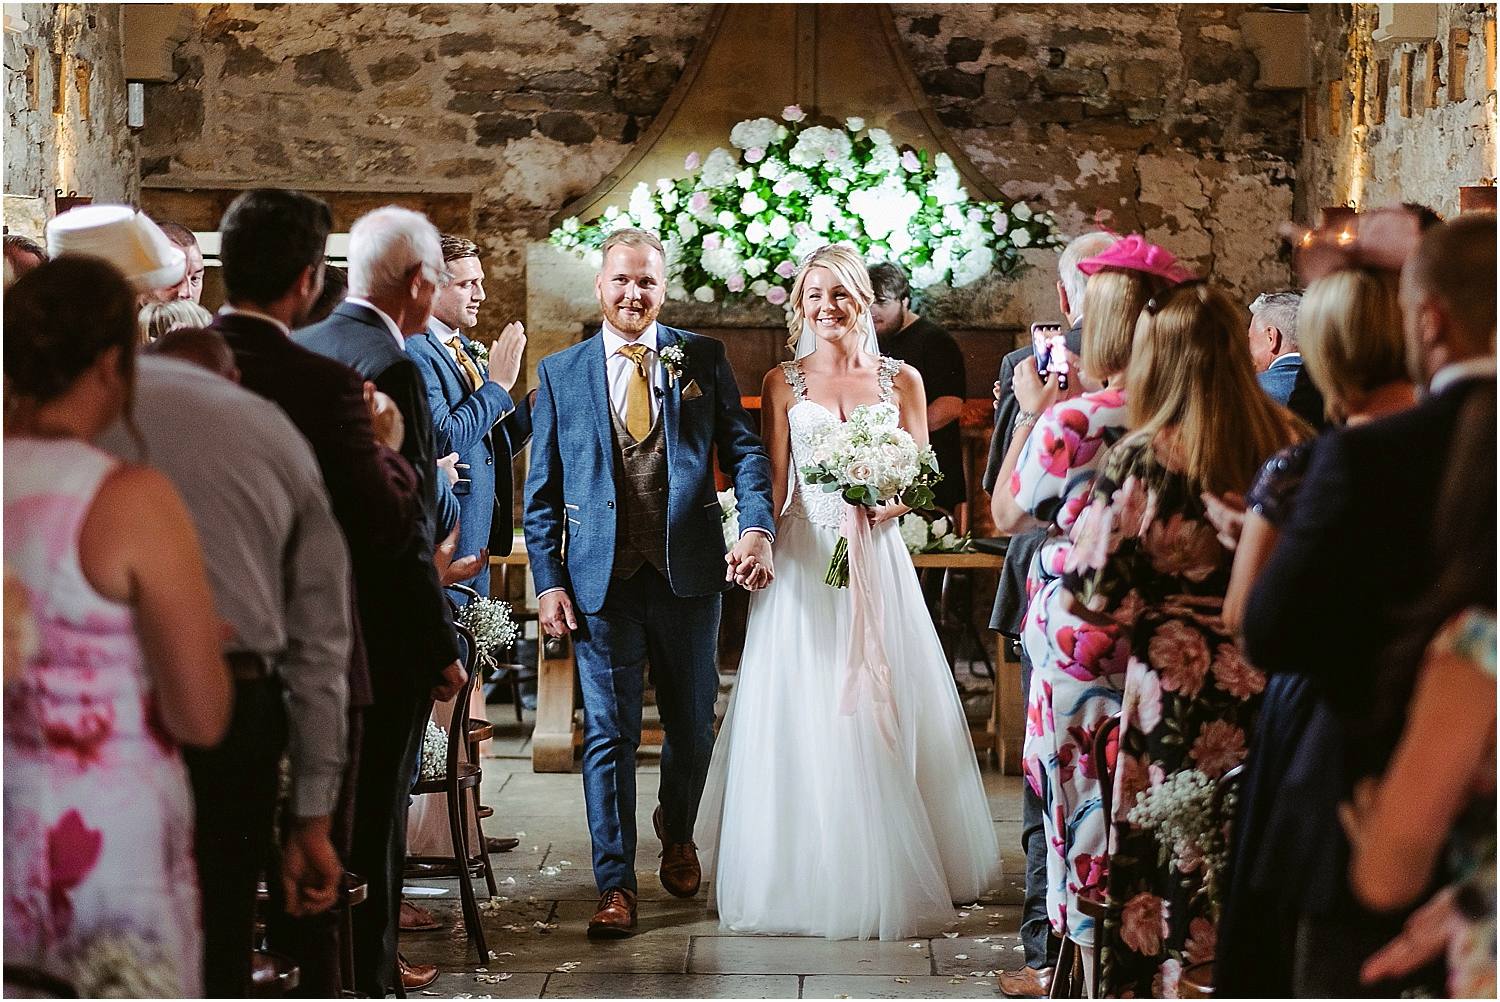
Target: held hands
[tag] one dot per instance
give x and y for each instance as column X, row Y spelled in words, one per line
column 453, row 680
column 749, row 562
column 506, row 354
column 555, row 614
column 310, row 868
column 390, row 429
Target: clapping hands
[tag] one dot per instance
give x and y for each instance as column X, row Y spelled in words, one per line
column 506, row 354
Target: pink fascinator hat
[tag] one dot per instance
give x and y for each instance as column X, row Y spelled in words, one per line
column 1134, row 253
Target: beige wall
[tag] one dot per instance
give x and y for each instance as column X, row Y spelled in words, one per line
column 1437, row 132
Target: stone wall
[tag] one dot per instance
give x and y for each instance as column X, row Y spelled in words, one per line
column 87, row 148
column 1397, row 121
column 1140, row 116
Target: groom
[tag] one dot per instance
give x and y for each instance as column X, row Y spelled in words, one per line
column 623, row 531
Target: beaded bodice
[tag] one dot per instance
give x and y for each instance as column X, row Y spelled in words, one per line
column 805, row 419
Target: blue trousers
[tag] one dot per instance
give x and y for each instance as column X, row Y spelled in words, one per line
column 642, row 620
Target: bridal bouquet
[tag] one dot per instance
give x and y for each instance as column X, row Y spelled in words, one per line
column 870, row 460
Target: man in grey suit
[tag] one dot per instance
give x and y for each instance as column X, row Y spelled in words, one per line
column 623, row 531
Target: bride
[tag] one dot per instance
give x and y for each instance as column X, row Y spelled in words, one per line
column 816, row 822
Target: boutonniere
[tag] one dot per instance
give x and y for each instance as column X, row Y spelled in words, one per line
column 481, row 353
column 673, row 358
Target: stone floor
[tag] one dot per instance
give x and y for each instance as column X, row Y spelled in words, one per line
column 536, row 926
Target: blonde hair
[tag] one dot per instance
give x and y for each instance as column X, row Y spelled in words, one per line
column 848, row 269
column 1191, row 376
column 1112, row 300
column 1351, row 336
column 157, row 318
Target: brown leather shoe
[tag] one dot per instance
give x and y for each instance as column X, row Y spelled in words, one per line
column 495, row 843
column 1026, row 983
column 616, row 915
column 680, row 873
column 415, row 977
column 415, row 918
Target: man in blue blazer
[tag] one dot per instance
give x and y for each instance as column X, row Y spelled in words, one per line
column 472, row 410
column 623, row 530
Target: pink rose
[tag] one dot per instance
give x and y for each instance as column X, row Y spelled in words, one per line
column 712, row 241
column 735, row 283
column 1143, row 923
column 786, row 269
column 1178, row 653
column 801, row 231
column 754, row 155
column 1220, row 746
column 1129, row 502
column 1203, row 941
column 1183, row 547
column 699, row 201
column 692, row 161
column 910, row 162
column 776, row 295
column 1234, row 674
column 1142, row 696
column 793, row 113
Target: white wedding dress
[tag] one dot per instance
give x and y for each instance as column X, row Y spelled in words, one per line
column 816, row 823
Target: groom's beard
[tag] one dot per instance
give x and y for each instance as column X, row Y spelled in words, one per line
column 627, row 325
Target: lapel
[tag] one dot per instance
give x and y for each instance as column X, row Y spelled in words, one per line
column 596, row 380
column 454, row 369
column 671, row 400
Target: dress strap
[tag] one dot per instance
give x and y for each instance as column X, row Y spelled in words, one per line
column 793, row 373
column 888, row 369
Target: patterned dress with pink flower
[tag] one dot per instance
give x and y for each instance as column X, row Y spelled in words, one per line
column 1078, row 669
column 1145, row 554
column 100, row 885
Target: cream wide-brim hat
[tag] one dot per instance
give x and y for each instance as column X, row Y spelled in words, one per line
column 125, row 238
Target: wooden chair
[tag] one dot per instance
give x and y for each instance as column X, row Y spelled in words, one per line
column 460, row 783
column 354, row 892
column 1197, row 980
column 1067, row 978
column 509, row 675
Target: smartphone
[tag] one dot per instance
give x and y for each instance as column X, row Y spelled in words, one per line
column 1050, row 345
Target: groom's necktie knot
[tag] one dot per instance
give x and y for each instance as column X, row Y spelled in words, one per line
column 465, row 362
column 637, row 393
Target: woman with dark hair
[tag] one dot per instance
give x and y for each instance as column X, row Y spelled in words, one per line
column 1146, row 560
column 100, row 885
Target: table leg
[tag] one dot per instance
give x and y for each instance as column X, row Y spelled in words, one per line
column 552, row 738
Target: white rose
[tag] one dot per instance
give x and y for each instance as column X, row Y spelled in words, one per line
column 940, row 527
column 756, row 232
column 755, row 266
column 779, row 227
column 759, row 286
column 718, row 170
column 854, row 124
column 861, row 472
column 1021, row 210
column 727, row 219
column 677, row 291
column 752, row 203
column 704, row 294
column 1020, row 237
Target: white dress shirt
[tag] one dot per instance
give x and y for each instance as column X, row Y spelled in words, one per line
column 390, row 324
column 444, row 334
column 618, row 369
column 1469, row 368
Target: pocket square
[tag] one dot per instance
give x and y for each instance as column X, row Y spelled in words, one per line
column 691, row 391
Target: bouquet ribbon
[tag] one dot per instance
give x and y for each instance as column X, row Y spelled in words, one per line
column 869, row 669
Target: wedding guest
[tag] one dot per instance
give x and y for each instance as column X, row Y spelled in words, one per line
column 395, row 265
column 280, row 580
column 1077, row 667
column 932, row 352
column 272, row 252
column 472, row 410
column 1354, row 350
column 98, row 816
column 22, row 254
column 206, row 349
column 1278, row 361
column 335, row 288
column 126, row 238
column 1039, row 945
column 156, row 318
column 190, row 288
column 1432, row 813
column 1145, row 561
column 1357, row 546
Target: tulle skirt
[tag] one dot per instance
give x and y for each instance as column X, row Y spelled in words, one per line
column 817, row 823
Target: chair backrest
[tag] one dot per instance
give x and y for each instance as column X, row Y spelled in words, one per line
column 1105, row 770
column 458, row 725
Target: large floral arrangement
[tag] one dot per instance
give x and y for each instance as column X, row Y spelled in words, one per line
column 739, row 227
column 870, row 460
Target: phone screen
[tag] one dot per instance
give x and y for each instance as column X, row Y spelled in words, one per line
column 1044, row 341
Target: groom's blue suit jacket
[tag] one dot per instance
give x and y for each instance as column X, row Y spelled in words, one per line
column 572, row 498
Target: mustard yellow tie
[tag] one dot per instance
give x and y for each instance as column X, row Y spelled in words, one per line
column 637, row 393
column 465, row 362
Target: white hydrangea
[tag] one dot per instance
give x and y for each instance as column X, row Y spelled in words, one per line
column 884, row 208
column 820, row 145
column 779, row 227
column 687, row 226
column 883, row 160
column 718, row 169
column 823, row 208
column 772, row 169
column 924, row 275
column 947, row 187
column 756, row 232
column 752, row 203
column 745, row 178
column 704, row 294
column 900, row 241
column 722, row 261
column 973, row 266
column 913, row 529
column 755, row 132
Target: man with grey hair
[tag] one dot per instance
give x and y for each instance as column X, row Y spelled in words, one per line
column 1040, row 947
column 1278, row 363
column 395, row 267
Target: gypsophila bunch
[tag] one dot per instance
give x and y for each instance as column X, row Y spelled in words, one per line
column 729, row 517
column 1180, row 812
column 870, row 460
column 935, row 536
column 481, row 353
column 491, row 623
column 739, row 226
column 434, row 752
column 122, row 965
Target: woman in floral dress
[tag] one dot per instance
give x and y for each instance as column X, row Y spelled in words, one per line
column 1146, row 557
column 1078, row 669
column 100, row 885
